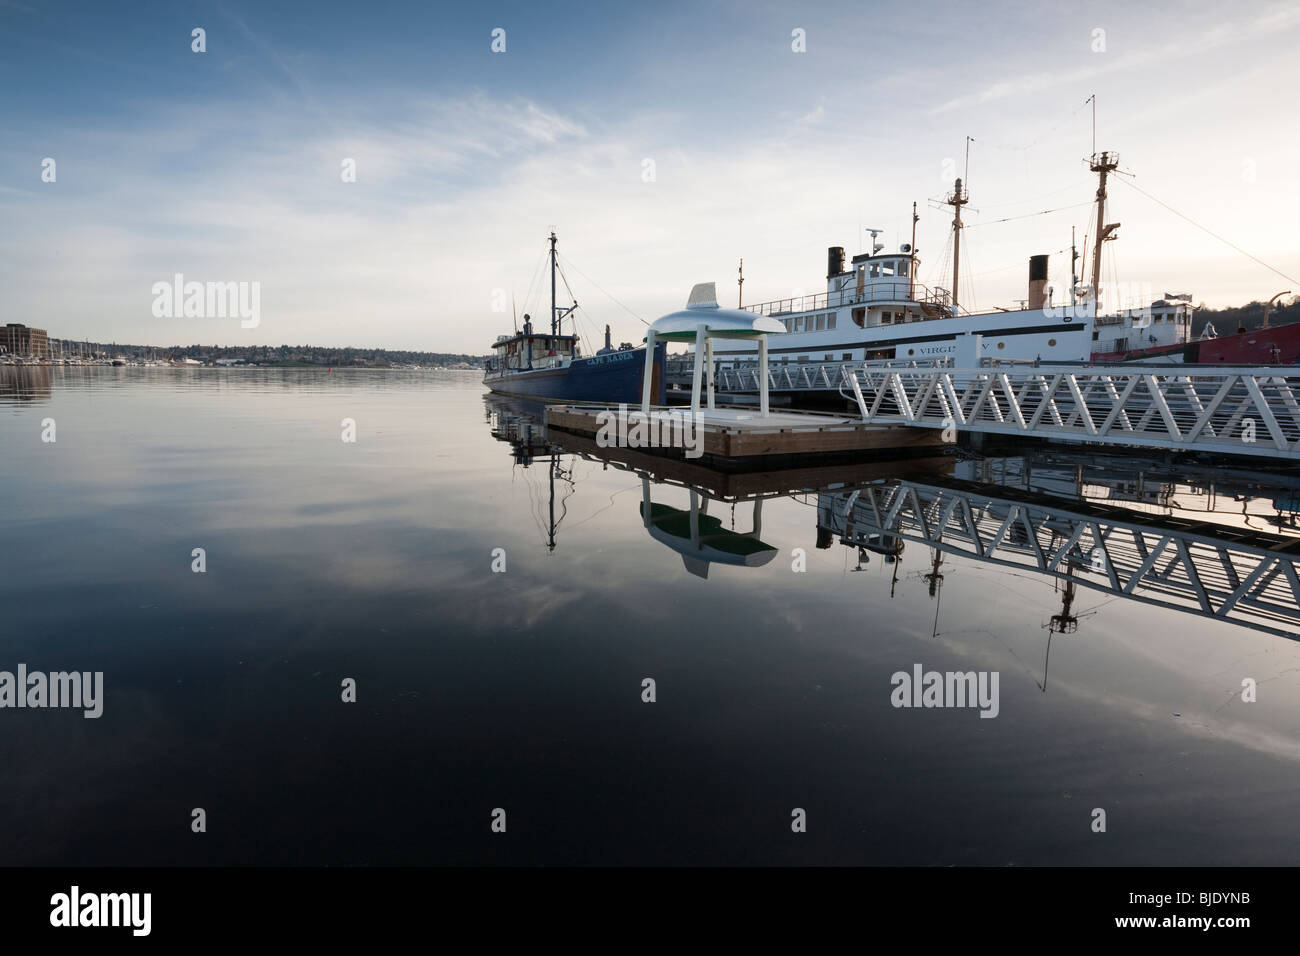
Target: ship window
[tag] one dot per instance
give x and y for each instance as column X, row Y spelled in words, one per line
column 859, row 317
column 1051, row 343
column 829, row 357
column 1096, row 336
column 798, row 324
column 886, row 318
column 830, row 320
column 789, row 325
column 802, row 358
column 887, row 267
column 821, row 322
column 848, row 356
column 902, row 267
column 1002, row 345
column 875, row 270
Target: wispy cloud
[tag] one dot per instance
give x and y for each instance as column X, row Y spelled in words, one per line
column 1192, row 43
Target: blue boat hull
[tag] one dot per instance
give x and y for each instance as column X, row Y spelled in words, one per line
column 610, row 379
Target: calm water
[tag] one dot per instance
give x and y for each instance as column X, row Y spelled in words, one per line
column 522, row 690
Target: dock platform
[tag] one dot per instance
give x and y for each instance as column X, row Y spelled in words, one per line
column 738, row 433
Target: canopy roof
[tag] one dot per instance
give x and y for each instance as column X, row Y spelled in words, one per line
column 702, row 309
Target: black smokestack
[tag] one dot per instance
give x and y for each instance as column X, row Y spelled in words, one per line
column 1037, row 281
column 834, row 262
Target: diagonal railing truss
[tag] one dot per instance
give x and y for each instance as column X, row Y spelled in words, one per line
column 1241, row 411
column 1218, row 572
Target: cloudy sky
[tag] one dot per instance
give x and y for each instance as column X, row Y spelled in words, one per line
column 226, row 165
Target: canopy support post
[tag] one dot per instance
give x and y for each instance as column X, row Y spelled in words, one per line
column 647, row 377
column 701, row 337
column 708, row 358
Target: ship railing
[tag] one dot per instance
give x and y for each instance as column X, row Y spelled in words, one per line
column 876, row 291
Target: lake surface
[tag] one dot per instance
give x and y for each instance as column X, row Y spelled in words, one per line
column 373, row 560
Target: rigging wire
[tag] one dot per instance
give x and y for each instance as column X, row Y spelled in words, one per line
column 1017, row 265
column 1041, row 138
column 1029, row 199
column 1042, row 212
column 528, row 296
column 968, row 282
column 570, row 264
column 1226, row 242
column 573, row 316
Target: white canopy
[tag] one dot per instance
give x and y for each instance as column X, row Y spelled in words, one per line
column 702, row 309
column 700, row 321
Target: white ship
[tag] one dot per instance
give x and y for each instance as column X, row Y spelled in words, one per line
column 875, row 309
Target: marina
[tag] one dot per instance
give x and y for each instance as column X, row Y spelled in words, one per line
column 363, row 540
column 680, row 436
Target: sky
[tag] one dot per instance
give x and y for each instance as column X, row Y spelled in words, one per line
column 662, row 142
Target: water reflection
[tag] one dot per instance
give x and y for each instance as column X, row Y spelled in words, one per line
column 700, row 538
column 1201, row 538
column 25, row 383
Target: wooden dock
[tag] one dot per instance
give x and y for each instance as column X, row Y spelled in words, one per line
column 768, row 477
column 738, row 433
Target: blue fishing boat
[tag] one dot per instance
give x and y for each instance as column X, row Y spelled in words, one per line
column 548, row 366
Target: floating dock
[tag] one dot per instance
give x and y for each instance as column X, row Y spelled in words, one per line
column 736, row 433
column 766, row 477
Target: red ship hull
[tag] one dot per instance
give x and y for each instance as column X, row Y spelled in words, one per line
column 1279, row 345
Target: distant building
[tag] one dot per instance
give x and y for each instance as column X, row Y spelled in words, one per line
column 18, row 339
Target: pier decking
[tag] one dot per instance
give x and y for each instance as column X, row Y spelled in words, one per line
column 733, row 433
column 768, row 477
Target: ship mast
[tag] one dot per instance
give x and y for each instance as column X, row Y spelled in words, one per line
column 911, row 272
column 1101, row 164
column 554, row 330
column 740, row 284
column 958, row 199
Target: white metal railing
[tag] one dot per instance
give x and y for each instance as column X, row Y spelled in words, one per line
column 1240, row 411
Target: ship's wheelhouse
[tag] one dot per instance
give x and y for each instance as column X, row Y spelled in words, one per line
column 531, row 351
